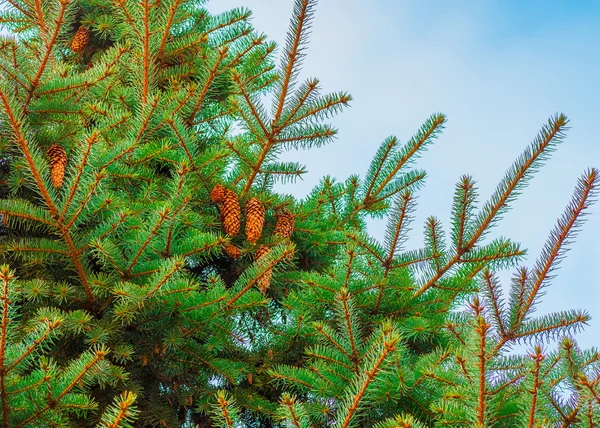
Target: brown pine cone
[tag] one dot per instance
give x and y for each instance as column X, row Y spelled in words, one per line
column 81, row 39
column 265, row 279
column 230, row 213
column 58, row 163
column 218, row 194
column 284, row 226
column 255, row 219
column 232, row 251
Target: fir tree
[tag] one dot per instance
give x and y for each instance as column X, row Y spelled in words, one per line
column 151, row 276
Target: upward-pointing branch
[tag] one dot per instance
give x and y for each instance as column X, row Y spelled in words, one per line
column 303, row 12
column 518, row 173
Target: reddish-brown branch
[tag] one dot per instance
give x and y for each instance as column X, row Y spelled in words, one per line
column 224, row 411
column 127, row 401
column 163, row 42
column 318, row 134
column 439, row 121
column 388, row 347
column 176, row 267
column 497, row 206
column 13, row 76
column 98, row 177
column 538, row 357
column 311, row 87
column 234, row 20
column 432, row 224
column 466, row 186
column 74, row 253
column 292, row 57
column 6, row 277
column 26, row 216
column 481, row 329
column 20, row 138
column 489, row 281
column 36, row 80
column 90, row 142
column 29, row 349
column 289, row 402
column 128, row 18
column 163, row 215
column 20, row 9
column 40, row 17
column 266, row 267
column 331, row 340
column 146, row 54
column 99, row 356
column 237, row 59
column 589, row 183
column 253, row 110
column 344, row 100
column 209, row 80
column 348, row 319
column 88, row 84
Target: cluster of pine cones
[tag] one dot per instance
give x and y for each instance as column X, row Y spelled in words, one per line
column 229, row 207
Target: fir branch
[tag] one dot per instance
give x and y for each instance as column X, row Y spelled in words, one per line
column 98, row 355
column 146, row 51
column 494, row 296
column 290, row 403
column 15, row 122
column 98, row 177
column 256, row 41
column 121, row 412
column 209, row 81
column 91, row 140
column 27, row 13
column 40, row 17
column 538, row 357
column 309, row 90
column 167, row 29
column 389, row 345
column 429, row 130
column 343, row 297
column 59, row 21
column 329, row 337
column 84, row 83
column 224, row 403
column 50, row 326
column 481, row 329
column 6, row 276
column 377, row 164
column 296, row 39
column 515, row 178
column 254, row 109
column 565, row 229
column 239, row 15
column 462, row 208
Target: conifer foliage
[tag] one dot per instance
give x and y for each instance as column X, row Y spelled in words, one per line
column 129, row 297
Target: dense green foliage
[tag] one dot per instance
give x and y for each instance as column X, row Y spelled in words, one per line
column 121, row 307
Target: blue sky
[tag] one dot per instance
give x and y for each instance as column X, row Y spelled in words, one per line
column 498, row 70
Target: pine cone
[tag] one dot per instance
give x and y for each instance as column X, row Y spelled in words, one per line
column 255, row 218
column 232, row 251
column 284, row 225
column 58, row 163
column 81, row 39
column 218, row 194
column 230, row 213
column 265, row 279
